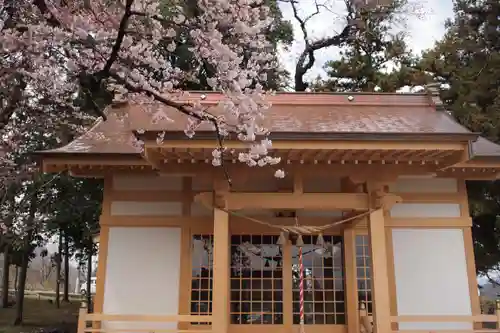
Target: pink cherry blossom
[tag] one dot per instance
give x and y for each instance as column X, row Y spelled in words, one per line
column 56, row 48
column 118, row 44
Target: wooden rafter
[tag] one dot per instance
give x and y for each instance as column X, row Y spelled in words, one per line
column 318, row 145
column 322, row 155
column 353, row 159
column 315, row 152
column 357, row 172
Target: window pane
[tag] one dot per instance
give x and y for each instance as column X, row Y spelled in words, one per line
column 256, row 280
column 323, row 281
column 363, row 270
column 201, row 275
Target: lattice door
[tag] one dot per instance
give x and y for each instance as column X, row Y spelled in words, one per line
column 258, row 270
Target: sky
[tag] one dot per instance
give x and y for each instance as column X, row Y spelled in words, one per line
column 424, row 26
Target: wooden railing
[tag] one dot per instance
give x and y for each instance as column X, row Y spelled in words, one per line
column 93, row 323
column 366, row 322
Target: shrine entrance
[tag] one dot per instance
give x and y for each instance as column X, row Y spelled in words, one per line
column 265, row 282
column 258, row 279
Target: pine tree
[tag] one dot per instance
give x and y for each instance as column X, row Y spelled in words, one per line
column 467, row 64
column 370, row 56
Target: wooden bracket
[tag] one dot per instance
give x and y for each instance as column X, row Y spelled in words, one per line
column 211, row 200
column 152, row 157
column 385, row 200
column 298, row 183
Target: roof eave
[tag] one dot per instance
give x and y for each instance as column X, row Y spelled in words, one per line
column 56, row 154
column 322, row 136
column 486, row 158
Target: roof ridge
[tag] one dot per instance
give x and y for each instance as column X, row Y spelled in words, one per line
column 432, row 91
column 323, row 93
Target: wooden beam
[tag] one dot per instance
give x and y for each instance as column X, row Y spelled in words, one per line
column 443, row 222
column 221, row 263
column 317, row 201
column 206, row 221
column 241, row 172
column 359, row 173
column 380, row 279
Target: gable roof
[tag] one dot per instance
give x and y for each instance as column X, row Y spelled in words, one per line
column 297, row 116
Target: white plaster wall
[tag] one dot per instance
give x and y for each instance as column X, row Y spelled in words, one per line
column 431, row 276
column 424, row 185
column 198, row 209
column 146, row 183
column 425, row 210
column 142, row 274
column 137, row 208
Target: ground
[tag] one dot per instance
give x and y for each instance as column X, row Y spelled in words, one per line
column 41, row 314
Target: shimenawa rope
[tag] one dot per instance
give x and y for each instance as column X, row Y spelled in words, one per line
column 299, row 229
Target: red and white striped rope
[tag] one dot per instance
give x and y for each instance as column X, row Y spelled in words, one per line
column 301, row 287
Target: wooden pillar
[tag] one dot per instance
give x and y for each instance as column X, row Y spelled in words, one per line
column 220, row 289
column 351, row 282
column 380, row 278
column 287, row 287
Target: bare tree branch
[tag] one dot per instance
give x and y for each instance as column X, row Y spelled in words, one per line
column 307, row 59
column 44, row 9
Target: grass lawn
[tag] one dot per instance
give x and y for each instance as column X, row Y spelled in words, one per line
column 40, row 314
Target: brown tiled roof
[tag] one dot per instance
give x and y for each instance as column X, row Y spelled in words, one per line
column 334, row 116
column 485, row 149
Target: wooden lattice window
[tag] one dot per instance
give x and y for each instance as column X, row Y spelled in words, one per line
column 256, row 280
column 202, row 274
column 364, row 271
column 324, row 281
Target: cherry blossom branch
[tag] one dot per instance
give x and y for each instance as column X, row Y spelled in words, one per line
column 102, row 46
column 181, row 106
column 119, row 37
column 222, row 149
column 185, row 109
column 44, row 9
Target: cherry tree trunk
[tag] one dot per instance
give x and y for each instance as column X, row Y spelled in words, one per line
column 58, row 272
column 5, row 278
column 66, row 267
column 89, row 278
column 22, row 282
